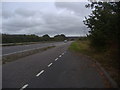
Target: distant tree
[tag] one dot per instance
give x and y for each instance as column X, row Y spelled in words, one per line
column 12, row 38
column 7, row 38
column 46, row 37
column 60, row 37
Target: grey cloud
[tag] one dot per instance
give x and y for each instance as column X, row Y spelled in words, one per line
column 24, row 12
column 7, row 14
column 20, row 22
column 77, row 7
column 67, row 24
column 25, row 21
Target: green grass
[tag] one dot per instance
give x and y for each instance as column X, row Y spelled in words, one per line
column 104, row 58
column 80, row 46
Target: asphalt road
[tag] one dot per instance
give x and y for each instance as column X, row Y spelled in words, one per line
column 13, row 49
column 53, row 68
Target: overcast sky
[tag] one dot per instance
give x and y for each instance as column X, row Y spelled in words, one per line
column 44, row 18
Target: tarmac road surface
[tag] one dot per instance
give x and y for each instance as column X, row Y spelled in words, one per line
column 14, row 49
column 53, row 68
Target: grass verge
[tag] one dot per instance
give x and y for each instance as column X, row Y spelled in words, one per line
column 104, row 58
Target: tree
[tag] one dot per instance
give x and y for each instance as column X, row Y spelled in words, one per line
column 8, row 38
column 60, row 37
column 104, row 24
column 46, row 37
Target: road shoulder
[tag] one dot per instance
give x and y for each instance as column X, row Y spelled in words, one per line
column 108, row 81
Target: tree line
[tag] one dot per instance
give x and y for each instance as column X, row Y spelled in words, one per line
column 10, row 38
column 104, row 25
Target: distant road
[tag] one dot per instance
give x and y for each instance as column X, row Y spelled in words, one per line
column 14, row 49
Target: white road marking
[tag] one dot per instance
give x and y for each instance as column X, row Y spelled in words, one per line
column 49, row 64
column 24, row 86
column 56, row 59
column 39, row 73
column 60, row 55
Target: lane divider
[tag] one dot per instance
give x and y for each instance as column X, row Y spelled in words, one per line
column 60, row 55
column 26, row 85
column 39, row 73
column 56, row 59
column 50, row 64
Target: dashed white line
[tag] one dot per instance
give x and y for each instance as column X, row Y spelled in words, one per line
column 60, row 55
column 39, row 73
column 24, row 86
column 49, row 64
column 56, row 59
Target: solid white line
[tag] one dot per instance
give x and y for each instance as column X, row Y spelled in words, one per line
column 24, row 86
column 60, row 55
column 39, row 73
column 56, row 59
column 49, row 64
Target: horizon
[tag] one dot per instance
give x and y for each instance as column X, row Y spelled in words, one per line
column 46, row 34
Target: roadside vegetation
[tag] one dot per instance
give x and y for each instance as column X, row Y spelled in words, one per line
column 20, row 39
column 103, row 41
